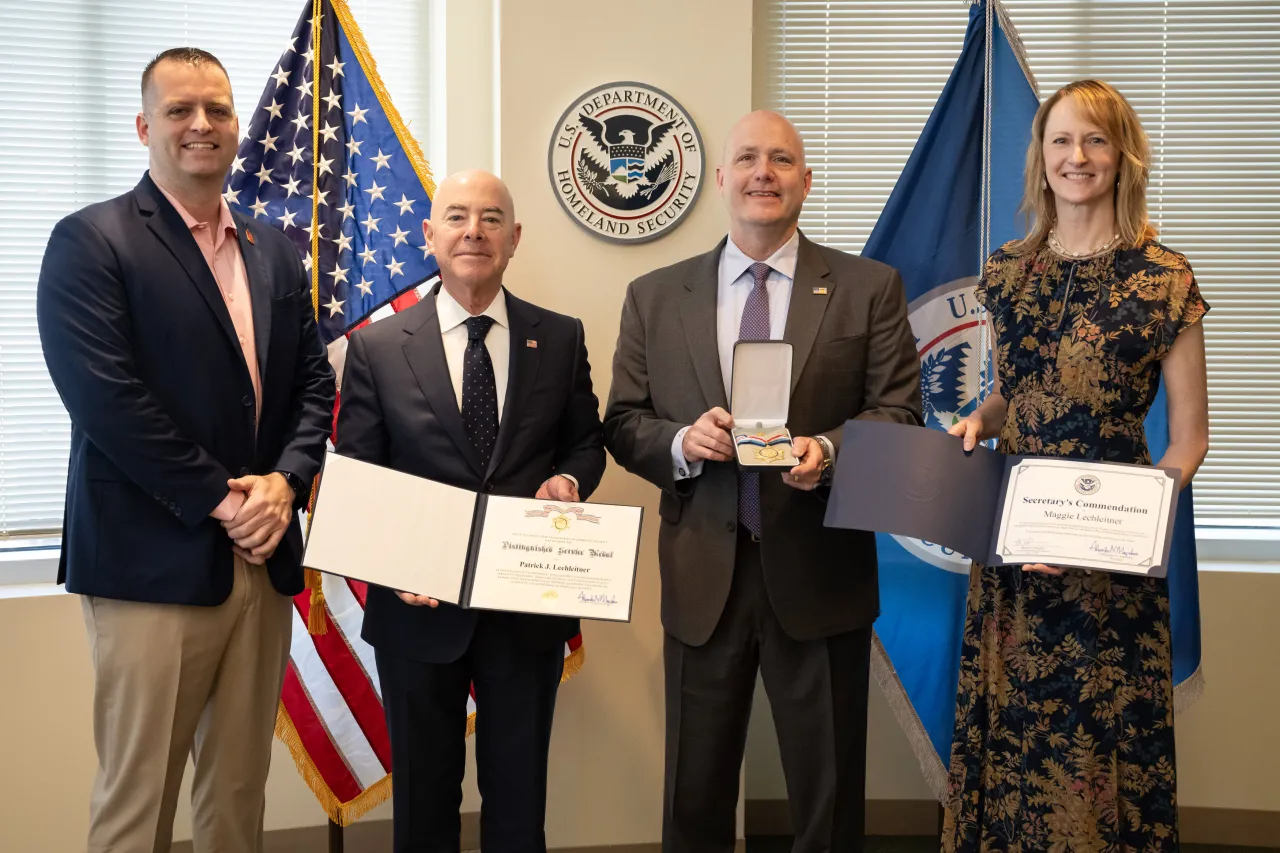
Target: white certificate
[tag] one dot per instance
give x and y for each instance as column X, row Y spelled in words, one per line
column 1090, row 515
column 473, row 550
column 538, row 556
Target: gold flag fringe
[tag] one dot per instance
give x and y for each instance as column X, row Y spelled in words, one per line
column 343, row 814
column 573, row 663
column 316, row 623
column 370, row 68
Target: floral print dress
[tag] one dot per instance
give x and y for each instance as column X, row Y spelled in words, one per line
column 1064, row 714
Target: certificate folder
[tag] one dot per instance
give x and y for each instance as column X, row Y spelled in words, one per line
column 480, row 551
column 999, row 509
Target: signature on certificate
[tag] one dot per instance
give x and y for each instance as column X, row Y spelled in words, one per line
column 597, row 598
column 1113, row 549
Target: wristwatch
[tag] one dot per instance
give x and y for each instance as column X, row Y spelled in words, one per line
column 828, row 464
column 295, row 483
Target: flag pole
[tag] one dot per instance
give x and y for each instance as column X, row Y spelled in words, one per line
column 315, row 618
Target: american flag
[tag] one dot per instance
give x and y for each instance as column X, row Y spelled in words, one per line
column 328, row 160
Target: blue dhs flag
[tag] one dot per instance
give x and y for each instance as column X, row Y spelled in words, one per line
column 328, row 160
column 956, row 200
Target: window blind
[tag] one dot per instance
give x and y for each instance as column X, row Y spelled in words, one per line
column 69, row 91
column 860, row 78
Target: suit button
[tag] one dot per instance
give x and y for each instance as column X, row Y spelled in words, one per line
column 177, row 510
column 246, row 400
column 488, row 487
column 244, row 471
column 731, row 527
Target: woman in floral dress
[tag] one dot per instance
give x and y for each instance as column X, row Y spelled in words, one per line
column 1064, row 714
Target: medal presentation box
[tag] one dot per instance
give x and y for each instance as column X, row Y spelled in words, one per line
column 489, row 552
column 759, row 402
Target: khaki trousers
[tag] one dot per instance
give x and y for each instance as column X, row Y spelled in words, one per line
column 174, row 679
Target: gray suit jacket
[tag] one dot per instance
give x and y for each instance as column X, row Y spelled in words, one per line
column 854, row 356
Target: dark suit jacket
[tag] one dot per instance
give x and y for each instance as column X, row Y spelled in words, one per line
column 399, row 410
column 141, row 348
column 854, row 357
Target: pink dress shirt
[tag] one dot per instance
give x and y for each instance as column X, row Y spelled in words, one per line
column 222, row 252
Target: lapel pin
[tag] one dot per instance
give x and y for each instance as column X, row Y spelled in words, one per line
column 531, row 343
column 819, row 291
column 248, row 235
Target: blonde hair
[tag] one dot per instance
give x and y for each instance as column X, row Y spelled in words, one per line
column 1102, row 105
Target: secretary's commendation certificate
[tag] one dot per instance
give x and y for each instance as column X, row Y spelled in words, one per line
column 1086, row 514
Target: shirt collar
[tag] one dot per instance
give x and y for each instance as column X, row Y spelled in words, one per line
column 451, row 314
column 782, row 261
column 224, row 213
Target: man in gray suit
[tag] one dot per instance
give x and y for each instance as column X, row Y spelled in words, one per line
column 751, row 579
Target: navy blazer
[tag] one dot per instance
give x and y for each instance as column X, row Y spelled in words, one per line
column 141, row 348
column 399, row 410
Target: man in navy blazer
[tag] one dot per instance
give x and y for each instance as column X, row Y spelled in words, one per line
column 478, row 389
column 181, row 338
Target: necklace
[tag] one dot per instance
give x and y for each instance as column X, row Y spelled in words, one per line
column 1065, row 252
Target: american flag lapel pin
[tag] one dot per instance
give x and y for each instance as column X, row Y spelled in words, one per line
column 819, row 291
column 531, row 343
column 248, row 235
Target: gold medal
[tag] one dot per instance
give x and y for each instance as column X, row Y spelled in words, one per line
column 770, row 454
column 766, row 448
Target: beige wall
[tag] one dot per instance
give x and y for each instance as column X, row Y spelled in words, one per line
column 606, row 770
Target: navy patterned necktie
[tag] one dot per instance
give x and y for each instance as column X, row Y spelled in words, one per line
column 479, row 391
column 754, row 327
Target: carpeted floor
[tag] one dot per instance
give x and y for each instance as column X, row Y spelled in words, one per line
column 917, row 844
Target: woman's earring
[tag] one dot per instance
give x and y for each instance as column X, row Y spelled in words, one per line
column 1044, row 183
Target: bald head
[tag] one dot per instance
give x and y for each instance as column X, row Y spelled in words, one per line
column 763, row 181
column 473, row 183
column 759, row 125
column 473, row 233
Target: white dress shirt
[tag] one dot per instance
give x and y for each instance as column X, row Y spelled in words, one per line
column 453, row 332
column 734, row 286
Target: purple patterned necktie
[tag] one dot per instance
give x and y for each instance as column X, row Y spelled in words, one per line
column 755, row 327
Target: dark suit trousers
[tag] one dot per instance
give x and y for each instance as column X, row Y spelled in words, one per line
column 818, row 692
column 426, row 707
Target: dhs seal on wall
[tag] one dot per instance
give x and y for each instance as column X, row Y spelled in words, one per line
column 947, row 323
column 626, row 162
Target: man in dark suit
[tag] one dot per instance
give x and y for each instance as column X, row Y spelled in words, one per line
column 751, row 579
column 181, row 339
column 481, row 390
